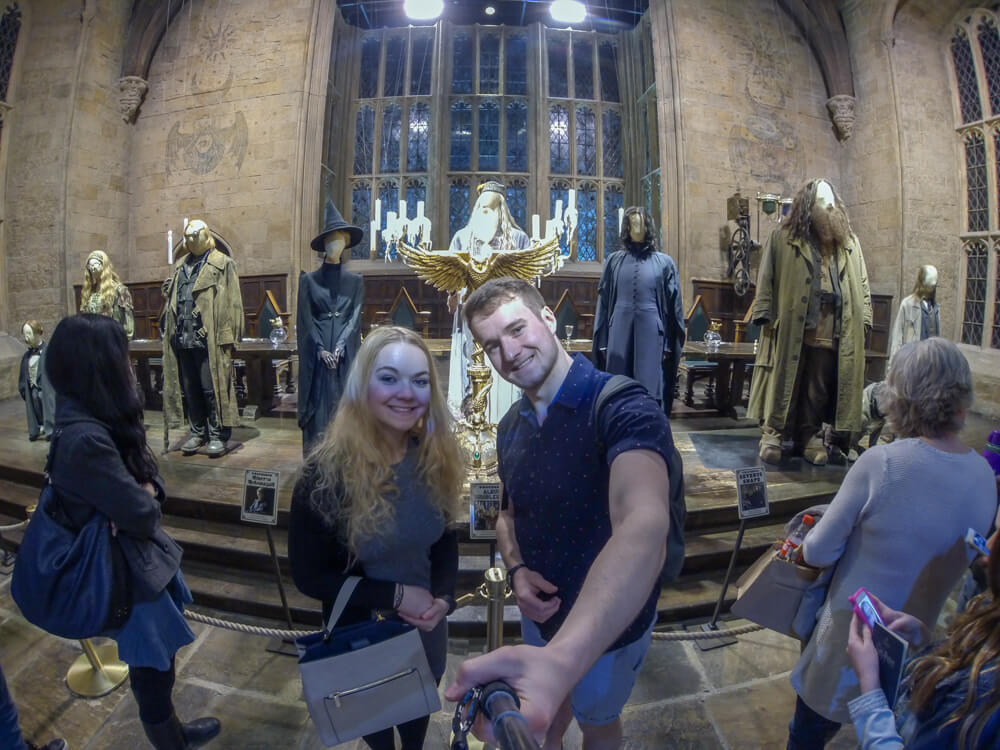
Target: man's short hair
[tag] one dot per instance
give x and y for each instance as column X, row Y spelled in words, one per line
column 487, row 298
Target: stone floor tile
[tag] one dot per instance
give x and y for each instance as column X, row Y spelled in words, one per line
column 666, row 673
column 763, row 653
column 673, row 725
column 22, row 643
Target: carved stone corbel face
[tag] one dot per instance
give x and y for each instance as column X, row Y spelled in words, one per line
column 131, row 90
column 841, row 107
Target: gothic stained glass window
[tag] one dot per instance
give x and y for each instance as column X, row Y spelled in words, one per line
column 995, row 335
column 489, row 64
column 517, row 202
column 989, row 44
column 612, row 142
column 608, row 61
column 392, row 123
column 10, row 26
column 421, row 57
column 613, row 200
column 361, row 216
column 462, row 61
column 586, row 206
column 558, row 191
column 489, row 135
column 975, row 174
column 517, row 136
column 558, row 78
column 395, row 67
column 965, row 72
column 368, row 85
column 416, row 138
column 586, row 141
column 364, row 140
column 458, row 206
column 559, row 139
column 460, row 156
column 516, row 65
column 583, row 69
column 975, row 292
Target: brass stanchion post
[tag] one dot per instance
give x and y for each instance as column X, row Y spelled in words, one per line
column 496, row 595
column 97, row 671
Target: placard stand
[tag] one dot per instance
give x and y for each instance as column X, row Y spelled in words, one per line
column 284, row 646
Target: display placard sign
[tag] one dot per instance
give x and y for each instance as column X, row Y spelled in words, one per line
column 260, row 497
column 484, row 508
column 751, row 488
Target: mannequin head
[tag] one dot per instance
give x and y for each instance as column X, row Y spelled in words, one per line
column 926, row 286
column 638, row 231
column 99, row 277
column 197, row 239
column 95, row 266
column 32, row 332
column 818, row 216
column 334, row 245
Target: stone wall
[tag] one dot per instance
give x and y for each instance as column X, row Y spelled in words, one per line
column 218, row 136
column 753, row 115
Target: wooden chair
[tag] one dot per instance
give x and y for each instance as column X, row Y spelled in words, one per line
column 697, row 322
column 261, row 325
column 404, row 313
column 747, row 332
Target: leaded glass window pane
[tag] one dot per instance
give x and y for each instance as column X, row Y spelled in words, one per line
column 462, row 61
column 516, row 65
column 458, row 206
column 395, row 67
column 416, row 191
column 612, row 142
column 392, row 124
column 421, row 58
column 586, row 141
column 364, row 140
column 368, row 84
column 609, row 72
column 583, row 69
column 361, row 216
column 613, row 200
column 586, row 206
column 975, row 173
column 558, row 78
column 416, row 138
column 489, row 135
column 10, row 26
column 460, row 154
column 489, row 64
column 989, row 44
column 975, row 292
column 517, row 136
column 965, row 72
column 558, row 191
column 559, row 140
column 517, row 202
column 995, row 336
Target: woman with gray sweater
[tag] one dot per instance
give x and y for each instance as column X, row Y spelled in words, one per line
column 896, row 527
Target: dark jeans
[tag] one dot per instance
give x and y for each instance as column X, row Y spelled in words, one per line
column 411, row 733
column 199, row 394
column 808, row 729
column 10, row 730
column 152, row 690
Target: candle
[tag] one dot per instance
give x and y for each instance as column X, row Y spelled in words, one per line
column 559, row 210
column 378, row 212
column 534, row 227
column 403, row 213
column 420, row 209
column 572, row 198
column 371, row 236
column 621, row 219
column 170, row 247
column 550, row 229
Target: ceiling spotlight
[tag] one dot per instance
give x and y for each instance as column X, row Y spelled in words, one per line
column 568, row 11
column 489, row 10
column 423, row 10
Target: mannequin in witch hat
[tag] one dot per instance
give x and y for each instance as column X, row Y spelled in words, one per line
column 328, row 321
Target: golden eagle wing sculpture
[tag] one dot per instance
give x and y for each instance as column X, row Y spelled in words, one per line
column 442, row 270
column 538, row 260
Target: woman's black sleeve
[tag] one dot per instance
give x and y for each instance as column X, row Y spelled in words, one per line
column 444, row 564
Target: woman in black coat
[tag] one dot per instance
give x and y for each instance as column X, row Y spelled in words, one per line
column 99, row 462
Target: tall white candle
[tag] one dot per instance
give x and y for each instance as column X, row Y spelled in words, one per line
column 572, row 198
column 621, row 219
column 534, row 227
column 559, row 210
column 378, row 212
column 373, row 230
column 390, row 223
column 550, row 229
column 420, row 209
column 170, row 247
column 403, row 212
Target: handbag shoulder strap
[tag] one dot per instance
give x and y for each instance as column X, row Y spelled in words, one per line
column 340, row 603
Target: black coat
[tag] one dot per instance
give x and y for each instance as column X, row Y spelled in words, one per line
column 89, row 475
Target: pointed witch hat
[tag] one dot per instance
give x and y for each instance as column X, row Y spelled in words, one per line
column 334, row 222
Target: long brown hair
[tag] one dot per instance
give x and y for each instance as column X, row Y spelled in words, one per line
column 354, row 489
column 799, row 221
column 109, row 284
column 973, row 643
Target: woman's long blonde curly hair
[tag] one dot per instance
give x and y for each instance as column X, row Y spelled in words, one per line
column 353, row 488
column 108, row 288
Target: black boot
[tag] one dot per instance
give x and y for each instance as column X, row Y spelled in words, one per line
column 200, row 731
column 167, row 735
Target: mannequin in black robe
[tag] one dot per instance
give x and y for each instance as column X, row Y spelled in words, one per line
column 328, row 321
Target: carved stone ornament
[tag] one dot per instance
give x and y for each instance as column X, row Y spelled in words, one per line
column 131, row 91
column 841, row 109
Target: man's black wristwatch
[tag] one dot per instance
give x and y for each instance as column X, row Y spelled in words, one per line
column 511, row 572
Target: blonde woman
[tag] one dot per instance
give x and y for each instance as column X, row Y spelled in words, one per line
column 104, row 293
column 375, row 500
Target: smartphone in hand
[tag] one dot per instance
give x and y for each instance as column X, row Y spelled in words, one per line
column 864, row 608
column 977, row 542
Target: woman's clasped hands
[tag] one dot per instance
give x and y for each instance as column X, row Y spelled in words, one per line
column 420, row 609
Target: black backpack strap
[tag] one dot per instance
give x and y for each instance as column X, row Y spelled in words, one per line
column 612, row 386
